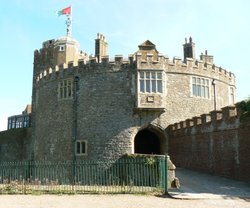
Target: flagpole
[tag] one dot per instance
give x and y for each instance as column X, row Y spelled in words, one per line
column 69, row 24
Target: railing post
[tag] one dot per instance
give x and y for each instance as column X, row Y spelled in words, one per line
column 166, row 174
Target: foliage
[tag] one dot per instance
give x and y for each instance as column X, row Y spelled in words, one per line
column 150, row 160
column 244, row 109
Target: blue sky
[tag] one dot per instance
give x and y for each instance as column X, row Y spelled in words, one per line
column 221, row 27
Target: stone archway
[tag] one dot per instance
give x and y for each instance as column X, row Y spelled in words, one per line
column 148, row 141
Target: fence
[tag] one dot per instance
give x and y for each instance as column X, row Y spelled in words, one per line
column 126, row 175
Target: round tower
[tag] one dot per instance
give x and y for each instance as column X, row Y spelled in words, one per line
column 67, row 49
column 46, row 97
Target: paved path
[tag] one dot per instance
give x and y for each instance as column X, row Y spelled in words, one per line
column 196, row 185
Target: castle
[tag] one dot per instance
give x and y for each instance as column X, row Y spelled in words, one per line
column 95, row 107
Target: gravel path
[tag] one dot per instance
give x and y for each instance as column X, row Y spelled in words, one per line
column 114, row 201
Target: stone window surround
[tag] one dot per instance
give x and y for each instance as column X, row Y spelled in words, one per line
column 202, row 87
column 150, row 81
column 65, row 89
column 231, row 95
column 61, row 48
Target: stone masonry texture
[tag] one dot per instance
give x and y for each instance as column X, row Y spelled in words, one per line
column 15, row 145
column 220, row 147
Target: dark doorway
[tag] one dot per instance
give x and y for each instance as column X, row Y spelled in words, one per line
column 147, row 142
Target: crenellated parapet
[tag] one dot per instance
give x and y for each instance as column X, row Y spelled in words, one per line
column 151, row 62
column 83, row 66
column 227, row 118
column 148, row 58
column 187, row 66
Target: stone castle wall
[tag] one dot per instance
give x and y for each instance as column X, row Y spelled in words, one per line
column 216, row 143
column 15, row 145
column 104, row 111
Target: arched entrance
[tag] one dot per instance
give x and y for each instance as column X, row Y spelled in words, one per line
column 147, row 142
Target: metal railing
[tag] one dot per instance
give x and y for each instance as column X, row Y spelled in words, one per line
column 126, row 175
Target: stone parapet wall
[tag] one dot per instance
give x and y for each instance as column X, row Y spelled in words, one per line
column 216, row 143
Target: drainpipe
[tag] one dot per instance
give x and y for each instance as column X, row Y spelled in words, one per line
column 75, row 99
column 166, row 174
column 214, row 87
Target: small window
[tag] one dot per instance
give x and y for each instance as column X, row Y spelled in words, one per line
column 61, row 48
column 81, row 147
column 231, row 96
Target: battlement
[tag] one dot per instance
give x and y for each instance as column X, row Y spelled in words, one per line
column 159, row 62
column 187, row 66
column 227, row 118
column 85, row 66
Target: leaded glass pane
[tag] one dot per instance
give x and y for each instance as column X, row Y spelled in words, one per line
column 198, row 90
column 147, row 85
column 159, row 75
column 153, row 76
column 159, row 86
column 194, row 89
column 153, row 86
column 202, row 91
column 142, row 86
column 141, row 75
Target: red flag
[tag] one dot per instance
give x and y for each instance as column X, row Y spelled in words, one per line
column 65, row 11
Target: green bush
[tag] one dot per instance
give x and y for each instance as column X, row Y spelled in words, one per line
column 244, row 108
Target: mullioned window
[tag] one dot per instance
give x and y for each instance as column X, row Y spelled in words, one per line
column 81, row 147
column 150, row 82
column 200, row 87
column 65, row 89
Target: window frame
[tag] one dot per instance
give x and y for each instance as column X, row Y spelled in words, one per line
column 61, row 48
column 200, row 87
column 65, row 89
column 81, row 153
column 150, row 81
column 231, row 95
